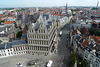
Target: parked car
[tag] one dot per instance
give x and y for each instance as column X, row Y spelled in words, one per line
column 19, row 64
column 56, row 51
column 60, row 33
column 32, row 62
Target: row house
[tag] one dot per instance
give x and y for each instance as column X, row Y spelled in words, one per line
column 92, row 51
column 86, row 46
column 62, row 22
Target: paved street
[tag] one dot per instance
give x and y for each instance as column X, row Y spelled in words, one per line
column 62, row 50
column 56, row 57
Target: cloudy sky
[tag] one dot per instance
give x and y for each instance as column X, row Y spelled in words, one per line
column 46, row 3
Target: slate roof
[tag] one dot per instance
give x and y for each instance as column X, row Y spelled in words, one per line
column 24, row 35
column 46, row 15
column 9, row 45
column 6, row 46
column 18, row 42
column 3, row 35
column 34, row 17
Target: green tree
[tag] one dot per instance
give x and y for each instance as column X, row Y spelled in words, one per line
column 75, row 10
column 2, row 21
column 9, row 14
column 19, row 34
column 94, row 8
column 72, row 59
column 99, row 24
column 73, row 54
column 84, row 63
column 73, row 14
column 96, row 33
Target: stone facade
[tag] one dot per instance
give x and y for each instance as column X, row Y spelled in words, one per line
column 41, row 36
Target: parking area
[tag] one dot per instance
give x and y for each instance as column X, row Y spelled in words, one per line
column 23, row 59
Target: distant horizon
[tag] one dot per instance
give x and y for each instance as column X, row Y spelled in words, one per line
column 49, row 7
column 46, row 3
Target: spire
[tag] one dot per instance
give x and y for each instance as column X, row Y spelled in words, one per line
column 23, row 17
column 37, row 9
column 97, row 3
column 66, row 9
column 66, row 6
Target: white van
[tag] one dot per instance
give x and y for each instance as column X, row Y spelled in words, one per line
column 49, row 63
column 60, row 33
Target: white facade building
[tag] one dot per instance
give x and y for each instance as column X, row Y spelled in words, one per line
column 13, row 48
column 11, row 19
column 63, row 21
column 6, row 52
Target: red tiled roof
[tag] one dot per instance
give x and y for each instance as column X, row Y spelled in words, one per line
column 96, row 38
column 91, row 22
column 25, row 29
column 78, row 32
column 96, row 23
column 73, row 33
column 86, row 42
column 85, row 30
column 1, row 15
column 13, row 17
column 8, row 22
column 57, row 14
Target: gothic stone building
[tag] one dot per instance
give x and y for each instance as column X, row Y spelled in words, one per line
column 41, row 35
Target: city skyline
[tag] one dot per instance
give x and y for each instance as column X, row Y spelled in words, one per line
column 46, row 3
